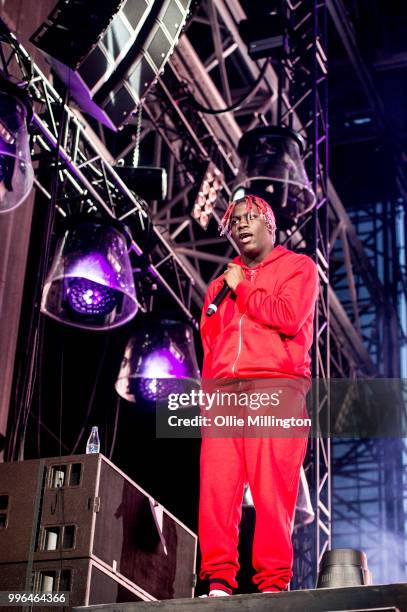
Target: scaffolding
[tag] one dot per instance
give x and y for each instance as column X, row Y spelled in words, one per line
column 369, row 483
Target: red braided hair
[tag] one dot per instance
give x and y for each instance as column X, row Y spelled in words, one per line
column 264, row 209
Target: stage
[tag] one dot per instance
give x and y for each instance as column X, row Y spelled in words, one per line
column 386, row 598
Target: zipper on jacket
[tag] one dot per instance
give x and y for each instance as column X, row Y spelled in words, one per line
column 240, row 343
column 252, row 274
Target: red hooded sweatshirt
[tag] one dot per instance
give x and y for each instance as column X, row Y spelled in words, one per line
column 266, row 328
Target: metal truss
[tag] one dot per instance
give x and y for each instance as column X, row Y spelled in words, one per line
column 344, row 27
column 369, row 497
column 366, row 261
column 184, row 139
column 369, row 487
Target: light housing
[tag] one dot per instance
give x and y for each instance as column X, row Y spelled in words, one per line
column 159, row 359
column 343, row 567
column 271, row 167
column 16, row 171
column 265, row 32
column 90, row 283
column 148, row 182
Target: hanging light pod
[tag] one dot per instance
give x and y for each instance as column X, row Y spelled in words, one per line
column 158, row 360
column 90, row 283
column 16, row 171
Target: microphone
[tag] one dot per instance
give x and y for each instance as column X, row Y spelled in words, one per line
column 219, row 297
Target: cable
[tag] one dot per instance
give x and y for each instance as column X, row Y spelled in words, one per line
column 61, row 399
column 236, row 105
column 92, row 395
column 28, row 374
column 116, row 421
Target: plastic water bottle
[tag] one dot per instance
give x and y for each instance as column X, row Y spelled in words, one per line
column 93, row 443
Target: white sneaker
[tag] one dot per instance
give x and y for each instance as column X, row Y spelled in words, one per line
column 218, row 593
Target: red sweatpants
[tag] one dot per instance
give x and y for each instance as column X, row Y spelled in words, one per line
column 271, row 466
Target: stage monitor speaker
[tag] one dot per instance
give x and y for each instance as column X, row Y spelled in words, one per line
column 85, row 581
column 83, row 507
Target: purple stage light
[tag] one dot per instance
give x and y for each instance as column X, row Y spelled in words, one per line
column 16, row 172
column 163, row 363
column 158, row 360
column 98, row 268
column 90, row 283
column 88, row 297
column 158, row 389
column 161, row 372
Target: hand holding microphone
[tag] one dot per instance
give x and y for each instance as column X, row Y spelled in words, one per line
column 233, row 276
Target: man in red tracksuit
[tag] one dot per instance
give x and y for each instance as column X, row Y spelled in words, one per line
column 263, row 329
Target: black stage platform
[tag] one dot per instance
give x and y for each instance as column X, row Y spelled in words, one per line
column 386, row 598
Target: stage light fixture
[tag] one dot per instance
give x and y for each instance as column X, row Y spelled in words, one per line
column 148, row 182
column 158, row 360
column 343, row 567
column 266, row 35
column 271, row 167
column 16, row 171
column 90, row 283
column 205, row 201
